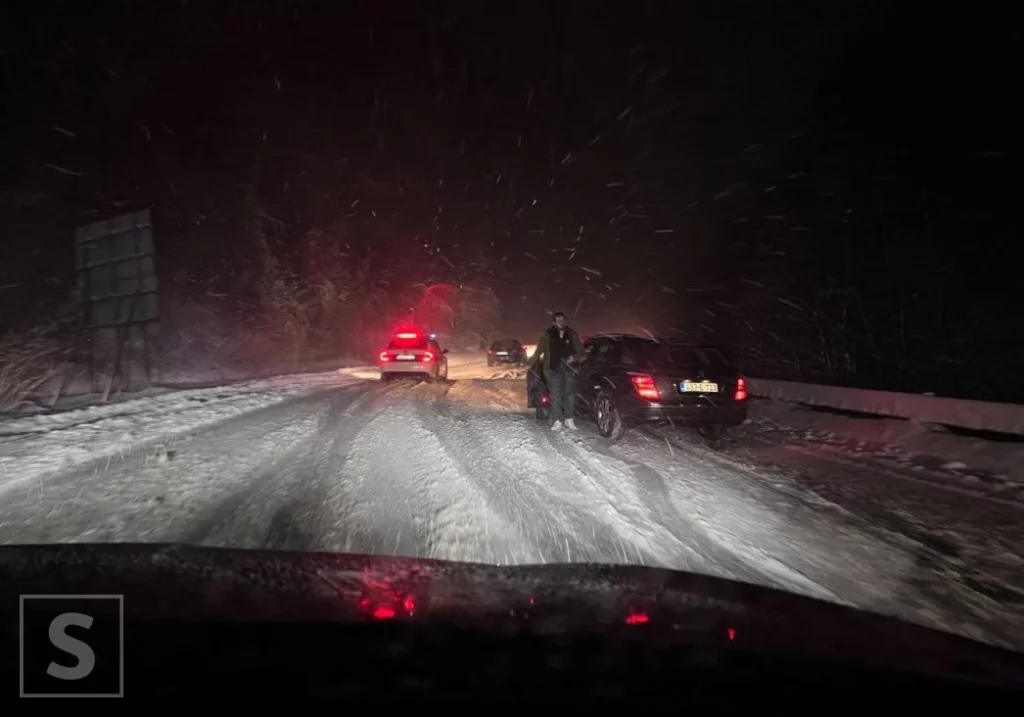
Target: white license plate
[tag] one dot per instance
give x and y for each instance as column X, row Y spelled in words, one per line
column 698, row 387
column 406, row 357
column 502, row 353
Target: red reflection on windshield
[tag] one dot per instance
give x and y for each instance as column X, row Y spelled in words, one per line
column 637, row 618
column 382, row 612
column 383, row 600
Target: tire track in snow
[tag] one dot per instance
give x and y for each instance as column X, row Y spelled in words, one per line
column 419, row 496
column 298, row 500
column 796, row 549
column 714, row 558
column 614, row 490
column 538, row 491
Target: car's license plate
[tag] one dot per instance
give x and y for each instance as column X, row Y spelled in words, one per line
column 502, row 353
column 406, row 357
column 698, row 387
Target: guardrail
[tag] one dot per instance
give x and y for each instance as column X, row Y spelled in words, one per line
column 963, row 413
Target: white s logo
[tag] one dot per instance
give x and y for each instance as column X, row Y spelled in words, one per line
column 77, row 648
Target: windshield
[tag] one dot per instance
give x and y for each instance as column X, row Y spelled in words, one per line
column 782, row 231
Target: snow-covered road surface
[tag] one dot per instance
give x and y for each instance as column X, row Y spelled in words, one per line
column 459, row 470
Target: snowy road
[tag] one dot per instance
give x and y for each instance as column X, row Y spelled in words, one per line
column 459, row 470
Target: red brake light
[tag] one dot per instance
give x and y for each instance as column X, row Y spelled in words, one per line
column 741, row 390
column 637, row 618
column 384, row 356
column 645, row 387
column 427, row 357
column 408, row 336
column 383, row 612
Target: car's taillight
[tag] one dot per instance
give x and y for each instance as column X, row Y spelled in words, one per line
column 427, row 357
column 645, row 387
column 384, row 357
column 741, row 390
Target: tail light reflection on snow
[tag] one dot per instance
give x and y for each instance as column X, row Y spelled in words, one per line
column 388, row 607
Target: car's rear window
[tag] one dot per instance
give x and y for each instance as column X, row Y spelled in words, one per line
column 419, row 344
column 651, row 355
column 504, row 345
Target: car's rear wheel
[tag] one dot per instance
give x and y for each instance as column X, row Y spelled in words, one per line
column 609, row 420
column 542, row 413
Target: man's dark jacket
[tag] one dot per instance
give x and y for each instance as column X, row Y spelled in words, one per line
column 553, row 349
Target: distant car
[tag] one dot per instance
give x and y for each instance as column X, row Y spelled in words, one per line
column 506, row 351
column 626, row 379
column 412, row 354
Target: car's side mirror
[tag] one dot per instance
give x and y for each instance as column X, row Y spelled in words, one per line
column 444, row 351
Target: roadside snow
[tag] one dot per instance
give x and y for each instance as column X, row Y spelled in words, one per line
column 34, row 445
column 191, row 376
column 77, row 390
column 933, row 453
column 368, row 373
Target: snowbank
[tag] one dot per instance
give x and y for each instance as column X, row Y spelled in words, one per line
column 963, row 413
column 76, row 390
column 989, row 465
column 34, row 445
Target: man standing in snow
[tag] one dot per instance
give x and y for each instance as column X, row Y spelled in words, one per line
column 557, row 350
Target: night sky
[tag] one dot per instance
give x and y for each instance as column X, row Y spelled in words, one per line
column 762, row 174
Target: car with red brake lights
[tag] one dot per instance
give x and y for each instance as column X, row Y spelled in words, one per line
column 411, row 354
column 626, row 380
